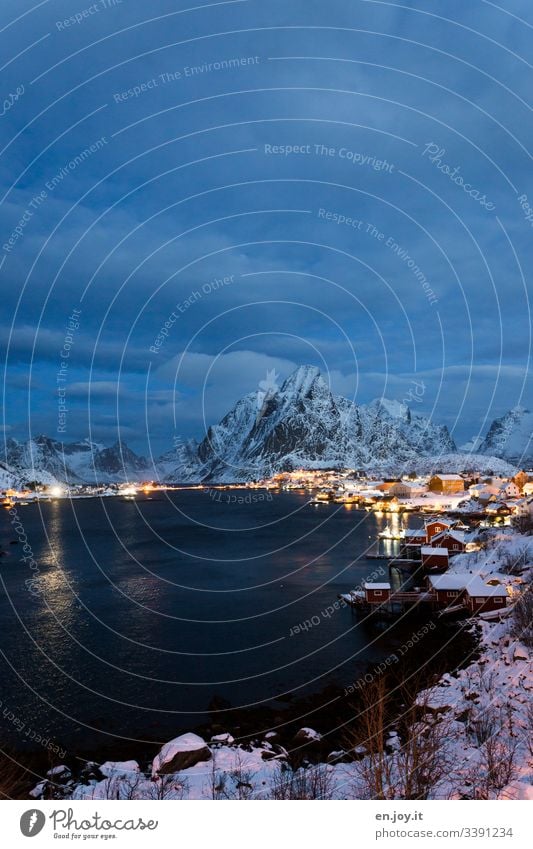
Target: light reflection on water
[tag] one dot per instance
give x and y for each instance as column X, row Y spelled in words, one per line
column 144, row 595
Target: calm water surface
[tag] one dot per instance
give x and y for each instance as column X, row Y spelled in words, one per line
column 148, row 609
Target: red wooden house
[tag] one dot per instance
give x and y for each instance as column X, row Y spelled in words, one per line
column 481, row 598
column 451, row 539
column 448, row 590
column 377, row 593
column 434, row 527
column 433, row 558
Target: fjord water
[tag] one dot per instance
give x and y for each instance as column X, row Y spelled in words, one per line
column 142, row 611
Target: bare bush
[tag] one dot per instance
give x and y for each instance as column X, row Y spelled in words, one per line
column 417, row 766
column 312, row 782
column 529, row 729
column 498, row 767
column 15, row 776
column 216, row 780
column 482, row 725
column 523, row 524
column 498, row 745
column 523, row 616
column 242, row 779
column 168, row 787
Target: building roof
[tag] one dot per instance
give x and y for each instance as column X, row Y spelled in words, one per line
column 477, row 586
column 428, row 549
column 377, row 586
column 449, row 477
column 415, row 532
column 450, row 581
column 449, row 532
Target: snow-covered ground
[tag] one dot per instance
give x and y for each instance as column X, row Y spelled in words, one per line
column 481, row 718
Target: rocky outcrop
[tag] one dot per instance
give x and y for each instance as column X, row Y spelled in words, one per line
column 181, row 753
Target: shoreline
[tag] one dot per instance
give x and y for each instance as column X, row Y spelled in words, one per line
column 331, row 711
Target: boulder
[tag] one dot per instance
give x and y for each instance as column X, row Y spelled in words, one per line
column 120, row 769
column 59, row 773
column 222, row 739
column 38, row 790
column 181, row 753
column 272, row 736
column 305, row 736
column 520, row 652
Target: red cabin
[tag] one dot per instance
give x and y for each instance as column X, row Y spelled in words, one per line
column 434, row 558
column 448, row 590
column 454, row 541
column 481, row 598
column 377, row 593
column 435, row 526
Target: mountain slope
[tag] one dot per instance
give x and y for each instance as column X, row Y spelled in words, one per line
column 304, row 424
column 510, row 435
column 48, row 461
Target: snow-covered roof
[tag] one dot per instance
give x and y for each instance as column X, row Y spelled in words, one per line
column 477, row 586
column 457, row 535
column 429, row 549
column 449, row 477
column 415, row 532
column 370, row 586
column 450, row 581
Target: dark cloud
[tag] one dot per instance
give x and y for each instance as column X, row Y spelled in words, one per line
column 159, row 139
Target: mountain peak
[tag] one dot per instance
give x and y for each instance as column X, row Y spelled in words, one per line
column 510, row 436
column 395, row 409
column 304, row 425
column 300, row 382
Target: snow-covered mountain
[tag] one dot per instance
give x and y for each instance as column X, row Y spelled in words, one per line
column 303, row 424
column 48, row 461
column 510, row 436
column 7, row 478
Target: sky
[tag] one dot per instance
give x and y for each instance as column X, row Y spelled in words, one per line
column 197, row 197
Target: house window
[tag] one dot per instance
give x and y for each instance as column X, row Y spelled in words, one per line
column 480, row 600
column 451, row 594
column 455, row 546
column 378, row 592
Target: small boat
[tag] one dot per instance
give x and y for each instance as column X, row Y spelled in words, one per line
column 387, row 533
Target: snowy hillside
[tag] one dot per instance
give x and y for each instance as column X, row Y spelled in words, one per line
column 457, row 462
column 7, row 478
column 48, row 461
column 510, row 436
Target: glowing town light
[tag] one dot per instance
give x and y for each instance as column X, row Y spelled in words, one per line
column 57, row 491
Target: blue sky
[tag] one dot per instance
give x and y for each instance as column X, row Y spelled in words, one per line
column 342, row 183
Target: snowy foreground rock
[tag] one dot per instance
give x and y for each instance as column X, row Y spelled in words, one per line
column 481, row 716
column 181, row 753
